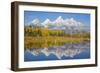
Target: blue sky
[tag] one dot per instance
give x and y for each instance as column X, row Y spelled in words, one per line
column 41, row 15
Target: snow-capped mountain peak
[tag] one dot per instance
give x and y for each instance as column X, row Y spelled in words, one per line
column 47, row 21
column 59, row 21
column 72, row 22
column 59, row 18
column 35, row 22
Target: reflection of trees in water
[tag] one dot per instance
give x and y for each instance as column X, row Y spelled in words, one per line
column 67, row 50
column 49, row 42
column 39, row 45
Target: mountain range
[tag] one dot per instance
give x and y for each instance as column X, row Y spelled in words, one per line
column 68, row 24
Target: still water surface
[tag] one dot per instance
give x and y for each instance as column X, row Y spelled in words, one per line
column 58, row 51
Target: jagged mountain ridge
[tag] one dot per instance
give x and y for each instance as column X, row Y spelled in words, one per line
column 62, row 24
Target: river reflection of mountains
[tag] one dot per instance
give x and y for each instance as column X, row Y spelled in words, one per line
column 67, row 49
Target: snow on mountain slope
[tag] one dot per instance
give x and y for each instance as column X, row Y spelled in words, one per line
column 68, row 24
column 59, row 21
column 46, row 23
column 35, row 22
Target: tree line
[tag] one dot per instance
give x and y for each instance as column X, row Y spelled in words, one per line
column 44, row 32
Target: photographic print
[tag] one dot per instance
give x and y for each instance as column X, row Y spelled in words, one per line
column 56, row 36
column 52, row 36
